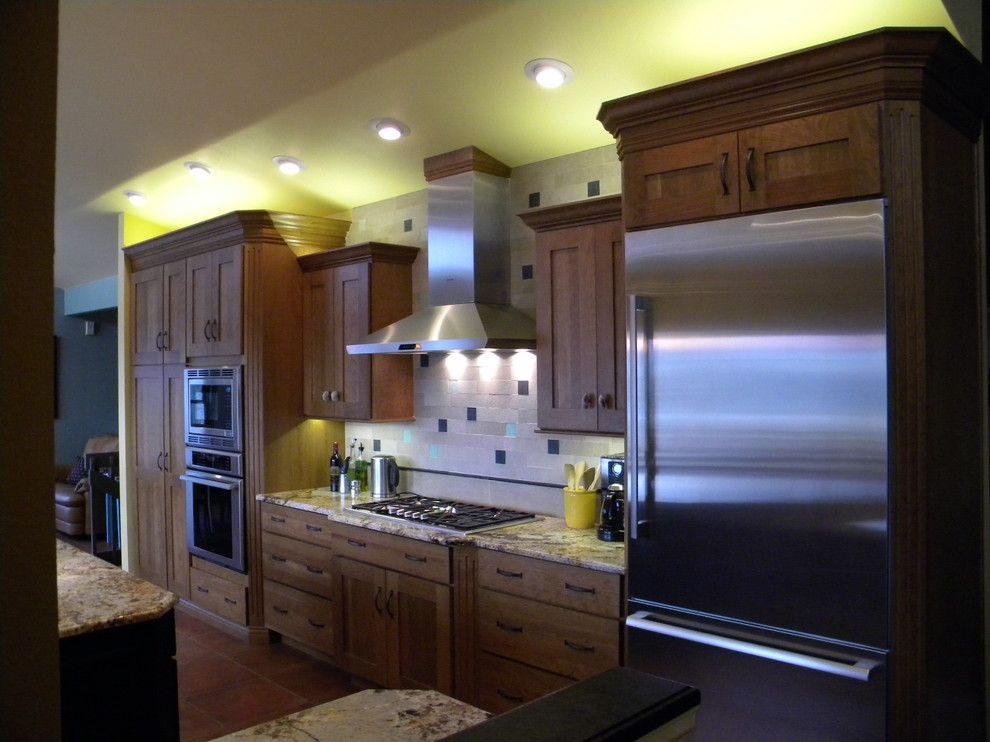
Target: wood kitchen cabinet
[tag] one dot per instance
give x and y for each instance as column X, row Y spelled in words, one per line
column 580, row 316
column 213, row 302
column 159, row 461
column 395, row 615
column 347, row 294
column 158, row 310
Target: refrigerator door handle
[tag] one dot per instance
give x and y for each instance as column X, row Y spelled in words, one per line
column 859, row 669
column 636, row 420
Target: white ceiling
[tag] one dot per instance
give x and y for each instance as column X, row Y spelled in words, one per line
column 145, row 85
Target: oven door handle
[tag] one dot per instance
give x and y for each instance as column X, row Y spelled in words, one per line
column 212, row 480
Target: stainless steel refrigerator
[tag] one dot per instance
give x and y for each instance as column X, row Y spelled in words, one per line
column 757, row 477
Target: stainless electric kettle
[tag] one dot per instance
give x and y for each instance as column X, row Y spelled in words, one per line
column 384, row 476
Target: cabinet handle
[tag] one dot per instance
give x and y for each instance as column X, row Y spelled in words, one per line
column 276, row 519
column 316, row 625
column 355, row 542
column 578, row 647
column 378, row 595
column 588, row 401
column 277, row 558
column 605, row 401
column 723, row 173
column 414, row 558
column 206, row 331
column 507, row 573
column 161, row 455
column 165, row 345
column 202, row 589
column 158, row 341
column 510, row 629
column 314, row 570
column 315, row 529
column 283, row 611
column 388, row 604
column 508, row 696
column 165, row 460
column 216, row 326
column 229, row 601
column 579, row 589
column 749, row 168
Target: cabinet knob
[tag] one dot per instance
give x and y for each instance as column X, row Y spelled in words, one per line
column 325, row 396
column 605, row 401
column 588, row 401
column 335, row 396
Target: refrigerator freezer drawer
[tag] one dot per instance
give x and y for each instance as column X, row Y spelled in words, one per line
column 746, row 697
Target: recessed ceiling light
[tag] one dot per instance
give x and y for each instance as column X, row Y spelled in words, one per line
column 288, row 165
column 198, row 170
column 390, row 129
column 549, row 73
column 136, row 198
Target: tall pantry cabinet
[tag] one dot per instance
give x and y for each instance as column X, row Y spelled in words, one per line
column 224, row 292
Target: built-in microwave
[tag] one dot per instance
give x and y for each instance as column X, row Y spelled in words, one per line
column 213, row 408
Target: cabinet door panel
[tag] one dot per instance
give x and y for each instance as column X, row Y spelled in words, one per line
column 818, row 158
column 680, row 182
column 317, row 351
column 504, row 684
column 351, row 374
column 146, row 314
column 566, row 343
column 362, row 640
column 227, row 274
column 200, row 298
column 175, row 488
column 174, row 312
column 420, row 649
column 150, row 500
column 611, row 326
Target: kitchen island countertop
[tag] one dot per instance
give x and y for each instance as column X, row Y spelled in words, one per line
column 545, row 538
column 94, row 594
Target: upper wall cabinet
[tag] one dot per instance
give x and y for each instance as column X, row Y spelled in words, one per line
column 347, row 294
column 580, row 316
column 213, row 303
column 158, row 309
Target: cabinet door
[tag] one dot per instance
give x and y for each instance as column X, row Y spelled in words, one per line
column 175, row 488
column 420, row 638
column 566, row 352
column 149, row 450
column 680, row 182
column 817, row 158
column 227, row 272
column 363, row 623
column 174, row 312
column 317, row 299
column 146, row 313
column 610, row 295
column 200, row 300
column 351, row 375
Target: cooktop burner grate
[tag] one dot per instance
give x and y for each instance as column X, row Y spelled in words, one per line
column 447, row 515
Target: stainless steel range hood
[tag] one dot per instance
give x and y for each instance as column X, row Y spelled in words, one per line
column 468, row 255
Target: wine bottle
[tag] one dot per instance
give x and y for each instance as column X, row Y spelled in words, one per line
column 335, row 465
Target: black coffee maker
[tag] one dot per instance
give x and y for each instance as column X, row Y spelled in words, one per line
column 612, row 518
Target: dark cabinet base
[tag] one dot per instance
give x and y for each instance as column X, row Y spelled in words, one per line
column 121, row 683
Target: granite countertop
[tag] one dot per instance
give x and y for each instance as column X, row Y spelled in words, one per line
column 546, row 538
column 371, row 716
column 94, row 594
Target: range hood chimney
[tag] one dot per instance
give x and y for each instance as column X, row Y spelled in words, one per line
column 468, row 256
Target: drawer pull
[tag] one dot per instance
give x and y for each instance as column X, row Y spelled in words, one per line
column 276, row 519
column 578, row 647
column 508, row 696
column 510, row 629
column 355, row 542
column 316, row 625
column 202, row 589
column 283, row 611
column 314, row 570
column 414, row 558
column 315, row 529
column 229, row 601
column 507, row 573
column 579, row 589
column 277, row 558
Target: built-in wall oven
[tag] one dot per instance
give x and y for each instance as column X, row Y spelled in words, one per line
column 213, row 408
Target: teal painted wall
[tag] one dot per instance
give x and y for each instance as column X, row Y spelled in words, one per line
column 87, row 379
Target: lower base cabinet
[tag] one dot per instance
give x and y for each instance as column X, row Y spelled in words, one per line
column 504, row 684
column 217, row 595
column 306, row 618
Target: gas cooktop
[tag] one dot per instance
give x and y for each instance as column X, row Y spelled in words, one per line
column 443, row 515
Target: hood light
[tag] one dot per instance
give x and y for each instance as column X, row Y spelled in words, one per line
column 199, row 171
column 288, row 165
column 549, row 73
column 136, row 198
column 390, row 129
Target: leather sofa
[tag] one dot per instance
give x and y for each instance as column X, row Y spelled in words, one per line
column 72, row 501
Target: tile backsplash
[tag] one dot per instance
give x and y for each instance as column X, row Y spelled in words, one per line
column 474, row 437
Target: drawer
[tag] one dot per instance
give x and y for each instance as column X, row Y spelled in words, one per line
column 297, row 563
column 300, row 616
column 549, row 582
column 298, row 524
column 397, row 553
column 565, row 642
column 504, row 684
column 218, row 596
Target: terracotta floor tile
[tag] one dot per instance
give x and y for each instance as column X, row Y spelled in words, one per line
column 189, row 624
column 196, row 725
column 268, row 659
column 187, row 648
column 316, row 681
column 249, row 702
column 208, row 673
